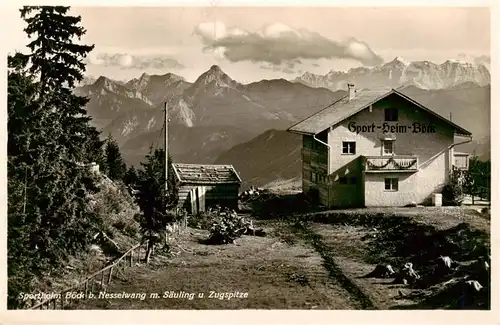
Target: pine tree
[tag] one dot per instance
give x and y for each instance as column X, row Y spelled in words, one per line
column 49, row 138
column 115, row 166
column 54, row 55
column 131, row 178
column 155, row 201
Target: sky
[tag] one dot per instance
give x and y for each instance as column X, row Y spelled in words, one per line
column 254, row 43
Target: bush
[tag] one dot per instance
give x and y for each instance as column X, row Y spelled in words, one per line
column 203, row 220
column 120, row 225
column 453, row 191
column 226, row 227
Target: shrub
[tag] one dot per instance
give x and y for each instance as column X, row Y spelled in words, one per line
column 131, row 231
column 226, row 227
column 203, row 220
column 120, row 225
column 453, row 191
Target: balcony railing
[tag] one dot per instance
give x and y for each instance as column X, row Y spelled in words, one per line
column 391, row 163
column 315, row 157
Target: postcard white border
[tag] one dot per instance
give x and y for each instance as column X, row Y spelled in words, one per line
column 261, row 316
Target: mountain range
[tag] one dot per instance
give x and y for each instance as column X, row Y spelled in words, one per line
column 399, row 72
column 210, row 115
column 217, row 119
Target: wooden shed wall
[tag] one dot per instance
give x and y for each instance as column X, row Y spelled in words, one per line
column 221, row 194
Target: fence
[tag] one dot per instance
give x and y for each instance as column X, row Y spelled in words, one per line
column 479, row 186
column 475, row 184
column 103, row 278
column 100, row 279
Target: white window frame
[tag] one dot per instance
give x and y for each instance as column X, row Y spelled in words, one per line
column 393, row 184
column 384, row 153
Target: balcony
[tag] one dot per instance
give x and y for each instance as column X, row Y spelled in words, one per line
column 315, row 158
column 381, row 164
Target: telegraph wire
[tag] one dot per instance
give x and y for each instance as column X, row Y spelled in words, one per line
column 159, row 135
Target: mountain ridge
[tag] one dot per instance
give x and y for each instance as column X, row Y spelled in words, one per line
column 216, row 114
column 423, row 74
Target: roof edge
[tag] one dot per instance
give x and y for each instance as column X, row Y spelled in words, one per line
column 239, row 181
column 290, row 129
column 414, row 101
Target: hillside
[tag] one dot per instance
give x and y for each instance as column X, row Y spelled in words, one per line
column 200, row 144
column 273, row 155
column 462, row 101
column 207, row 117
column 117, row 209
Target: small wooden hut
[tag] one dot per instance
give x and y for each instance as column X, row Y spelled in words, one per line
column 203, row 186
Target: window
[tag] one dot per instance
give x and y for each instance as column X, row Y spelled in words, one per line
column 322, row 179
column 391, row 184
column 349, row 147
column 318, row 178
column 353, row 180
column 391, row 114
column 388, row 147
column 343, row 180
column 313, row 177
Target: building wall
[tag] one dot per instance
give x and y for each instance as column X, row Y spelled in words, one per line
column 220, row 194
column 315, row 168
column 431, row 149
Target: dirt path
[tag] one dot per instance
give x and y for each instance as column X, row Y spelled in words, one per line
column 352, row 244
column 363, row 301
column 273, row 273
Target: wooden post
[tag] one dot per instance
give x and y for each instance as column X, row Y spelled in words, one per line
column 166, row 146
column 92, row 284
column 132, row 258
column 62, row 300
column 110, row 274
column 86, row 289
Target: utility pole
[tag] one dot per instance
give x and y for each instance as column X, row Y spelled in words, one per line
column 451, row 117
column 166, row 145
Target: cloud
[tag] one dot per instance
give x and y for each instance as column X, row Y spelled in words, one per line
column 288, row 69
column 130, row 61
column 483, row 59
column 278, row 43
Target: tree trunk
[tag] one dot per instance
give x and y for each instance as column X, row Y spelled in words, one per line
column 149, row 248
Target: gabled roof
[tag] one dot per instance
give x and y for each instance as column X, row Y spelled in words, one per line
column 344, row 108
column 206, row 174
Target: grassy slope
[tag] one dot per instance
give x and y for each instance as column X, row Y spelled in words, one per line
column 114, row 204
column 319, row 263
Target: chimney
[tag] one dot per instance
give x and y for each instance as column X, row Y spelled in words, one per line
column 351, row 91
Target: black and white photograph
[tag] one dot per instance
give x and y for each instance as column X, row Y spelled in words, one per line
column 215, row 157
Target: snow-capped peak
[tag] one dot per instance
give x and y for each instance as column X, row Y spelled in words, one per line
column 401, row 60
